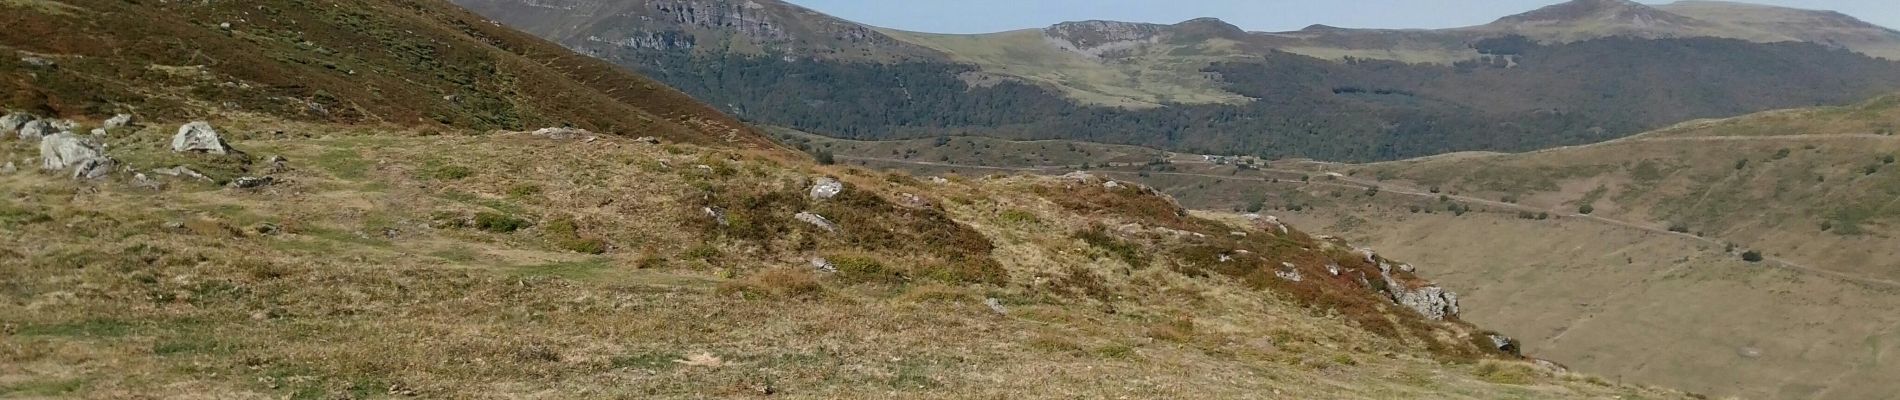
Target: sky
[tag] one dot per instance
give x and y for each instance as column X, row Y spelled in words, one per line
column 984, row 16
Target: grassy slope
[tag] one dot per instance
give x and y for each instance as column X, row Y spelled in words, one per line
column 1827, row 171
column 1621, row 301
column 1765, row 23
column 1155, row 74
column 973, row 150
column 370, row 282
column 411, row 62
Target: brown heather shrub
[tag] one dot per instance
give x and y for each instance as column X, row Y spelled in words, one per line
column 1180, row 329
column 784, row 283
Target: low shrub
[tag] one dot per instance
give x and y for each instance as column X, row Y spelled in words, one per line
column 785, row 283
column 500, row 223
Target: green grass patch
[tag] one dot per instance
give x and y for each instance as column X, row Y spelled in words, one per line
column 344, row 164
column 575, row 270
column 654, row 361
column 457, row 254
column 93, row 328
column 44, row 388
column 500, row 223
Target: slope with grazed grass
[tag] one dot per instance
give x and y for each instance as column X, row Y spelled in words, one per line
column 355, row 252
column 392, row 261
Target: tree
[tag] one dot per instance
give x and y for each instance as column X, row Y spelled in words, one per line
column 1752, row 256
column 1586, row 209
column 825, row 157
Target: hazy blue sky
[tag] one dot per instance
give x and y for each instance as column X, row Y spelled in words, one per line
column 982, row 16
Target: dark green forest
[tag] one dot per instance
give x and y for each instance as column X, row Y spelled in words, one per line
column 1520, row 96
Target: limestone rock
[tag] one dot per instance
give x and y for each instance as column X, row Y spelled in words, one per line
column 12, row 122
column 118, row 121
column 1433, row 302
column 717, row 215
column 140, row 180
column 94, row 168
column 38, row 128
column 995, row 305
column 9, row 168
column 938, row 180
column 1081, row 177
column 181, row 172
column 1504, row 344
column 199, row 137
column 1111, row 185
column 277, row 164
column 817, row 220
column 252, row 182
column 647, row 140
column 824, row 188
column 562, row 133
column 38, row 62
column 823, row 265
column 1290, row 272
column 64, row 151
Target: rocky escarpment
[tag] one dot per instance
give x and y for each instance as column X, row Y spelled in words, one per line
column 1102, row 38
column 766, row 26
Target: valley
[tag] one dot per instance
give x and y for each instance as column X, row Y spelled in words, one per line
column 1577, row 73
column 1652, row 276
column 317, row 199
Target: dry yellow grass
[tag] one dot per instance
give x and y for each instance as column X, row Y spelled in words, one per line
column 362, row 276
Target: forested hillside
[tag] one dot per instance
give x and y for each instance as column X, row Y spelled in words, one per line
column 1521, row 96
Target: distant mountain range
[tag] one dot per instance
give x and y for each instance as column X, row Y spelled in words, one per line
column 1577, row 72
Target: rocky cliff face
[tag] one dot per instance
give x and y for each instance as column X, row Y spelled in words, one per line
column 745, row 26
column 1096, row 38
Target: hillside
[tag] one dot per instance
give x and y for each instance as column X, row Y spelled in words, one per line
column 1206, row 86
column 1615, row 292
column 416, row 63
column 194, row 246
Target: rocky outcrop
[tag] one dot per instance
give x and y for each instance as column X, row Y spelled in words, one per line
column 67, row 152
column 1504, row 344
column 118, row 121
column 1431, row 301
column 1101, row 38
column 40, row 128
column 252, row 182
column 12, row 122
column 199, row 137
column 746, row 18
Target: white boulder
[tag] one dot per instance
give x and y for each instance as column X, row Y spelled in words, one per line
column 66, row 152
column 199, row 137
column 817, row 220
column 824, row 188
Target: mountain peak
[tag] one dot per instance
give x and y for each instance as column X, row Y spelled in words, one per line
column 1624, row 11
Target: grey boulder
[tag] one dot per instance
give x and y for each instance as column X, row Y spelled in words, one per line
column 825, row 188
column 12, row 122
column 199, row 137
column 118, row 121
column 66, row 152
